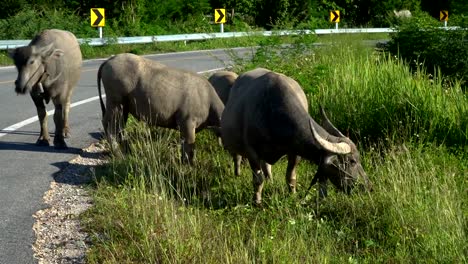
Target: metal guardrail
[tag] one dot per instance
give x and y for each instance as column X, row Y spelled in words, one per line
column 9, row 44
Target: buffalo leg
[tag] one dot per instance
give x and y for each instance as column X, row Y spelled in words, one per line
column 187, row 130
column 237, row 163
column 44, row 138
column 293, row 160
column 322, row 187
column 66, row 125
column 322, row 190
column 123, row 123
column 257, row 176
column 266, row 168
column 113, row 124
column 59, row 141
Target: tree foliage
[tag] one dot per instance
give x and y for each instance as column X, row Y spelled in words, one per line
column 262, row 13
column 421, row 42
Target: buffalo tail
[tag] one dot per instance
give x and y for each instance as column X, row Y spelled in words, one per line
column 103, row 107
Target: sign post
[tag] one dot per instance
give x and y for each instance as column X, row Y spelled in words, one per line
column 335, row 17
column 220, row 18
column 98, row 19
column 444, row 16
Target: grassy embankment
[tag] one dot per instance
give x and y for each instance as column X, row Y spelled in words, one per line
column 413, row 136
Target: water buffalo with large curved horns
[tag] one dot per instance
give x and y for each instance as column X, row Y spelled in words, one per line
column 266, row 117
column 49, row 68
column 159, row 95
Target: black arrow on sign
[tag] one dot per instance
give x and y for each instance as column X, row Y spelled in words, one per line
column 99, row 17
column 444, row 15
column 336, row 16
column 221, row 16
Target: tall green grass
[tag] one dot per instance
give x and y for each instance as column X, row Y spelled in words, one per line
column 373, row 96
column 149, row 208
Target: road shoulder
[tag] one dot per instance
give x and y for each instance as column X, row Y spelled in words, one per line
column 59, row 234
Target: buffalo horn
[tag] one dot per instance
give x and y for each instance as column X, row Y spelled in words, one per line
column 329, row 127
column 337, row 148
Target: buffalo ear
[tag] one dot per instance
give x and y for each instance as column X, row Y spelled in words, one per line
column 57, row 53
column 50, row 52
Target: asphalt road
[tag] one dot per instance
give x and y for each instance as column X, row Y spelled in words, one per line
column 26, row 170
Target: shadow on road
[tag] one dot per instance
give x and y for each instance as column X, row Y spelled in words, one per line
column 22, row 146
column 79, row 170
column 96, row 135
column 21, row 132
column 72, row 174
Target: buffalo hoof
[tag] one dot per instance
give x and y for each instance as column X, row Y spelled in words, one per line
column 187, row 161
column 42, row 143
column 60, row 145
column 66, row 132
column 258, row 204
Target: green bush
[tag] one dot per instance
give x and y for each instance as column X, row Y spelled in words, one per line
column 28, row 22
column 421, row 41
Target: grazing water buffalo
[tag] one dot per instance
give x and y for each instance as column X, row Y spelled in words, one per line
column 49, row 68
column 241, row 83
column 266, row 117
column 158, row 94
column 222, row 81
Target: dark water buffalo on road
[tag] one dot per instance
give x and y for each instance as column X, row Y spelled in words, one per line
column 159, row 95
column 49, row 68
column 266, row 117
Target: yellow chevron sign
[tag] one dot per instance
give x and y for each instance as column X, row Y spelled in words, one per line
column 335, row 16
column 97, row 17
column 220, row 16
column 443, row 15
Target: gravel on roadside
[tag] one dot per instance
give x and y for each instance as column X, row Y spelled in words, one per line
column 59, row 236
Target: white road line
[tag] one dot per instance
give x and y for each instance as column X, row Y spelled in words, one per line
column 28, row 121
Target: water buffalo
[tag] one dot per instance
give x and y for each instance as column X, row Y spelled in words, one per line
column 49, row 68
column 157, row 94
column 222, row 81
column 266, row 117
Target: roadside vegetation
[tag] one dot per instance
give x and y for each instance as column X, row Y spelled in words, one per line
column 421, row 41
column 412, row 131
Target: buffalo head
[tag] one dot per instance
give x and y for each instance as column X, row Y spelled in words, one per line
column 340, row 163
column 31, row 62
